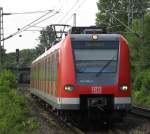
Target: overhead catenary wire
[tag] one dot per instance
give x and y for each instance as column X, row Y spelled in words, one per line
column 32, row 12
column 33, row 24
column 66, row 14
column 79, row 6
column 60, row 9
column 38, row 20
column 42, row 20
column 27, row 26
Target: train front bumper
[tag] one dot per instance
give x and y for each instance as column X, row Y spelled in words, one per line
column 105, row 102
column 122, row 103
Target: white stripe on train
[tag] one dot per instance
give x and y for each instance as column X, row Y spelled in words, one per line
column 59, row 100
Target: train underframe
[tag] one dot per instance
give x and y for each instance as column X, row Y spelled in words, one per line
column 96, row 108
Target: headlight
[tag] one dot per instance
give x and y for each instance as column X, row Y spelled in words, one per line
column 94, row 37
column 124, row 88
column 69, row 88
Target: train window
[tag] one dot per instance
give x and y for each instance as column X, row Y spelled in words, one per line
column 96, row 66
column 45, row 74
column 51, row 74
column 38, row 75
column 95, row 44
column 95, row 54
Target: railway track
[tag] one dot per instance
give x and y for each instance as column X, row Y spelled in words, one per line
column 48, row 114
column 73, row 129
column 68, row 124
column 144, row 112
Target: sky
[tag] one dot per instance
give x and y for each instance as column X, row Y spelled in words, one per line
column 85, row 16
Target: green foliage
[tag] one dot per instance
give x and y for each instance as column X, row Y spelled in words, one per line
column 138, row 81
column 14, row 110
column 141, row 98
column 140, row 47
column 14, row 114
column 114, row 8
column 111, row 10
column 25, row 58
column 47, row 36
column 146, row 81
column 141, row 86
column 142, row 81
column 7, row 80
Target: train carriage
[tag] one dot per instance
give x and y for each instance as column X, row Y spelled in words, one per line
column 88, row 71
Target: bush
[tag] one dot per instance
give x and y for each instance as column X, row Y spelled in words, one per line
column 15, row 115
column 141, row 89
column 8, row 79
column 141, row 98
column 138, row 81
column 142, row 81
column 146, row 81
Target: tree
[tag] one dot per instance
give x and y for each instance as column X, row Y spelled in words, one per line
column 140, row 47
column 47, row 36
column 25, row 58
column 110, row 11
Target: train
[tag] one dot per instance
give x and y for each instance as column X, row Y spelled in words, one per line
column 87, row 73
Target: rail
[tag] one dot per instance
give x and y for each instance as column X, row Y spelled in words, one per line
column 140, row 111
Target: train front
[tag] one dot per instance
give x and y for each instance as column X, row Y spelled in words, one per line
column 100, row 81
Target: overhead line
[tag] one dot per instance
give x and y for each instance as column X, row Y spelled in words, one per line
column 73, row 6
column 76, row 10
column 60, row 8
column 26, row 26
column 42, row 20
column 28, row 12
column 32, row 22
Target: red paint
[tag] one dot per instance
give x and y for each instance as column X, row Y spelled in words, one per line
column 66, row 73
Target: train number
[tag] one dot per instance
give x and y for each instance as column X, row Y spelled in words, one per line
column 96, row 90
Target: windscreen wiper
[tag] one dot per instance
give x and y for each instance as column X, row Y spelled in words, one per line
column 106, row 65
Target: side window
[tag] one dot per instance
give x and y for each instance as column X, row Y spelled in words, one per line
column 44, row 75
column 40, row 74
column 51, row 74
column 49, row 69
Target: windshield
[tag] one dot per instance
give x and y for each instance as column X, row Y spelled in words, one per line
column 96, row 65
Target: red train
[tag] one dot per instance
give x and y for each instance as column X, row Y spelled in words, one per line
column 85, row 73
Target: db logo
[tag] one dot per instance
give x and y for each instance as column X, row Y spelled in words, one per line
column 96, row 90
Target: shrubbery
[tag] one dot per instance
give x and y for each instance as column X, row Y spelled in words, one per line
column 141, row 98
column 141, row 89
column 7, row 80
column 14, row 112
